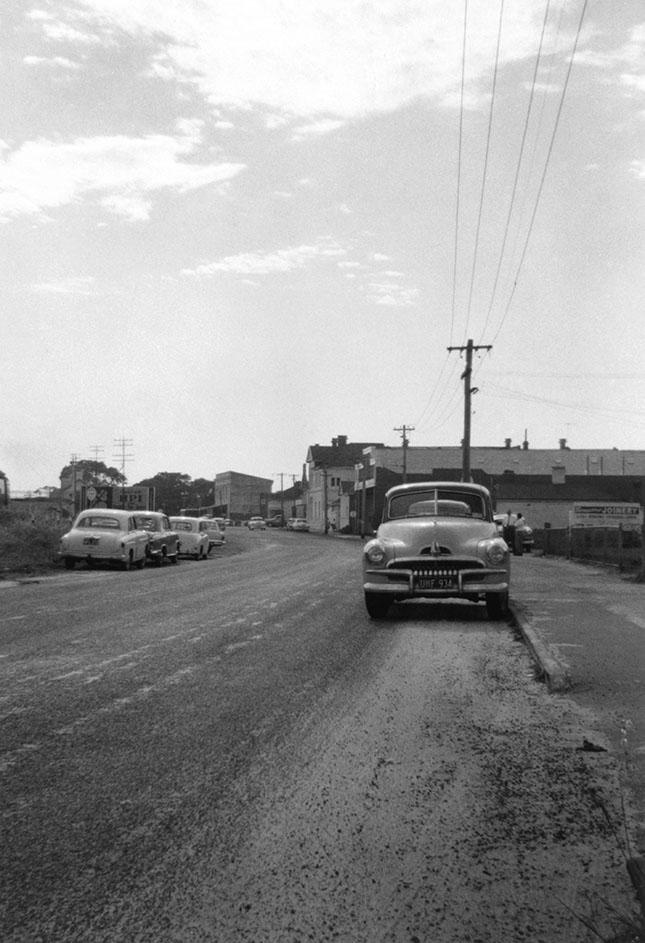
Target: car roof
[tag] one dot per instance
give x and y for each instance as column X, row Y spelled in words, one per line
column 104, row 512
column 185, row 517
column 465, row 486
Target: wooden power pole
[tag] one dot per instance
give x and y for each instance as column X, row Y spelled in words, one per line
column 468, row 391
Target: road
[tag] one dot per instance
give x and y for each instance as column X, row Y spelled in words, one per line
column 230, row 750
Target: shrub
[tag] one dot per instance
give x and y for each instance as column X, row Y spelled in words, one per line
column 28, row 540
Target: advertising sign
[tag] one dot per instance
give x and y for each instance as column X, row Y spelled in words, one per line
column 133, row 499
column 599, row 514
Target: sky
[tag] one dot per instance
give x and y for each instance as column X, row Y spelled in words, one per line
column 231, row 229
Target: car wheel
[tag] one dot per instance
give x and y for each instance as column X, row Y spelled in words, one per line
column 497, row 605
column 70, row 563
column 141, row 562
column 127, row 563
column 377, row 605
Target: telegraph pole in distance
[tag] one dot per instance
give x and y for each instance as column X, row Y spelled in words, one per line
column 404, row 430
column 468, row 391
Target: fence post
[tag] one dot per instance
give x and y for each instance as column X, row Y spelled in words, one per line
column 620, row 547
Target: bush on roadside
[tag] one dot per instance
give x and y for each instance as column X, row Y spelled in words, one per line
column 28, row 541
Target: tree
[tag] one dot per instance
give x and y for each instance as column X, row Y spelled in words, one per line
column 89, row 472
column 172, row 490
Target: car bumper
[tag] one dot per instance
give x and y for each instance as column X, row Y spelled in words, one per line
column 466, row 583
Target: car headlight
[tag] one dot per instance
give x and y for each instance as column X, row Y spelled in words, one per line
column 496, row 553
column 375, row 553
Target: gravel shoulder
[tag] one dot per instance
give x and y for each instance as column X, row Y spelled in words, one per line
column 450, row 801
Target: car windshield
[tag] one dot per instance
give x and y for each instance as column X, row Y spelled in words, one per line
column 147, row 523
column 100, row 522
column 437, row 503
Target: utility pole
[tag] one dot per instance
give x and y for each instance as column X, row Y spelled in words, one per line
column 281, row 475
column 122, row 445
column 468, row 391
column 404, row 430
column 73, row 461
column 96, row 449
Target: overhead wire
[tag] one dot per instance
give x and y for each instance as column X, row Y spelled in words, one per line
column 459, row 164
column 485, row 170
column 517, row 168
column 546, row 166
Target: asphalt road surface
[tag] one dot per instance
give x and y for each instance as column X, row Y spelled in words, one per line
column 230, row 750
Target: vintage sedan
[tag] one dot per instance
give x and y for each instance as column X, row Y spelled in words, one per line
column 256, row 523
column 193, row 541
column 299, row 523
column 163, row 541
column 104, row 535
column 210, row 526
column 437, row 540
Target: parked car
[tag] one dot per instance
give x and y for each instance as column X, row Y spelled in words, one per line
column 520, row 534
column 299, row 523
column 221, row 522
column 437, row 540
column 215, row 533
column 276, row 520
column 256, row 523
column 193, row 541
column 104, row 536
column 163, row 541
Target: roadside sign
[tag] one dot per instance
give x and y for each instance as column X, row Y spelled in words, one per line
column 599, row 514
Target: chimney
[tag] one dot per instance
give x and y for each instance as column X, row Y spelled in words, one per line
column 334, row 442
column 342, row 440
column 525, row 443
column 507, row 443
column 563, row 443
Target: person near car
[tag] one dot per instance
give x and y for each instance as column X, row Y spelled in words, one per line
column 509, row 528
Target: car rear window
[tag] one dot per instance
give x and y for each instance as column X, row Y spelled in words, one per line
column 100, row 522
column 183, row 525
column 436, row 504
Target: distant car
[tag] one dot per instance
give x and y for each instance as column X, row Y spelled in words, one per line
column 275, row 521
column 193, row 541
column 215, row 533
column 228, row 522
column 256, row 523
column 299, row 523
column 221, row 522
column 104, row 536
column 163, row 541
column 437, row 540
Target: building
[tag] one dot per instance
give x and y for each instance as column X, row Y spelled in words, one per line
column 542, row 483
column 330, row 483
column 239, row 497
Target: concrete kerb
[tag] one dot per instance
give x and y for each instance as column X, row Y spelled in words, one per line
column 554, row 672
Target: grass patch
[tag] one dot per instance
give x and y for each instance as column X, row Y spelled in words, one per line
column 28, row 541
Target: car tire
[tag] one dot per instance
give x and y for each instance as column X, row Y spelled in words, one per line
column 377, row 605
column 127, row 563
column 141, row 562
column 173, row 558
column 70, row 563
column 497, row 605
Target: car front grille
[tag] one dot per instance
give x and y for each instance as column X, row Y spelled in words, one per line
column 435, row 567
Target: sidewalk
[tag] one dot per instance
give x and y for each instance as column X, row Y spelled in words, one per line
column 586, row 628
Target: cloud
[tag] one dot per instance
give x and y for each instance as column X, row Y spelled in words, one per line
column 53, row 62
column 118, row 171
column 73, row 285
column 269, row 263
column 293, row 59
column 316, row 129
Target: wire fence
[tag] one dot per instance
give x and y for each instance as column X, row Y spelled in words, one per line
column 613, row 546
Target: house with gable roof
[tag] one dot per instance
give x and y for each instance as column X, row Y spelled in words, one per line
column 330, row 482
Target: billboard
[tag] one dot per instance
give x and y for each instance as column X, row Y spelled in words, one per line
column 601, row 514
column 109, row 496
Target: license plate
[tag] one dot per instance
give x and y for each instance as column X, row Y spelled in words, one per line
column 435, row 582
column 90, row 541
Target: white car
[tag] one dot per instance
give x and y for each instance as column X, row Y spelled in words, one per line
column 210, row 526
column 256, row 523
column 193, row 541
column 299, row 523
column 104, row 535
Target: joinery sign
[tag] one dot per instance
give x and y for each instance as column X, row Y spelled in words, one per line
column 599, row 514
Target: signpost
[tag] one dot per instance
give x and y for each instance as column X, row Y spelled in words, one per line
column 598, row 514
